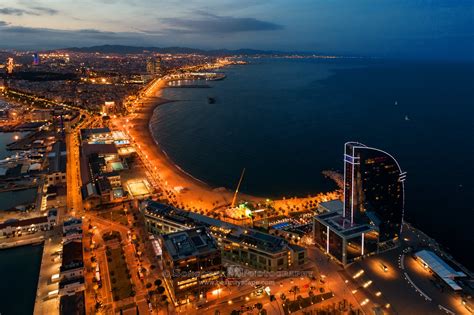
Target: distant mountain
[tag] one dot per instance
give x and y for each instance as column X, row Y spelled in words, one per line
column 121, row 49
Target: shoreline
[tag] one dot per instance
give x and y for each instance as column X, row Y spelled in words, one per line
column 197, row 194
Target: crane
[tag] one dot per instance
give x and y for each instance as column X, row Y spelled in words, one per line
column 237, row 190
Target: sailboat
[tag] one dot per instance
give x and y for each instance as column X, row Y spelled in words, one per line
column 396, row 103
column 406, row 118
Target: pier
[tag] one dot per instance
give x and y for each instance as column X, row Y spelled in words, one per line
column 50, row 264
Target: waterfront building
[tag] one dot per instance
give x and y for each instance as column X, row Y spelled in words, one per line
column 340, row 239
column 15, row 227
column 72, row 304
column 441, row 269
column 57, row 160
column 370, row 217
column 192, row 265
column 241, row 245
column 72, row 268
column 72, row 224
column 72, row 265
column 373, row 189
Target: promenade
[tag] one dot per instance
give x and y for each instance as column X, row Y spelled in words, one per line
column 50, row 264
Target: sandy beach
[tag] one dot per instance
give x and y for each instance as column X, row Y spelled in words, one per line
column 195, row 194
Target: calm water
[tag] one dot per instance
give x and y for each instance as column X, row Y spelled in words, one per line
column 287, row 120
column 19, row 271
column 12, row 199
column 6, row 138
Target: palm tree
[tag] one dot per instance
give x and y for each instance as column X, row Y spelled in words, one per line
column 295, row 290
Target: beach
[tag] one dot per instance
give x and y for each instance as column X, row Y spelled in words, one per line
column 194, row 194
column 182, row 189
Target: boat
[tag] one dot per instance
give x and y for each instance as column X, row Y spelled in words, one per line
column 406, row 118
column 211, row 100
column 396, row 103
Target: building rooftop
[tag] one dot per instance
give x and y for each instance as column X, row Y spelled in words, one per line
column 232, row 232
column 440, row 268
column 86, row 133
column 342, row 226
column 333, row 205
column 72, row 304
column 57, row 158
column 72, row 221
column 100, row 148
column 25, row 222
column 189, row 243
column 66, row 282
column 72, row 255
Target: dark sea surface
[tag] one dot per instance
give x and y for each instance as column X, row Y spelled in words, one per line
column 285, row 121
column 6, row 138
column 19, row 272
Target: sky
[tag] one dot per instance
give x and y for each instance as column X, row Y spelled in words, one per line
column 441, row 29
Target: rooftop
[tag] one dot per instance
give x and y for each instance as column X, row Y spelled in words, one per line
column 57, row 158
column 333, row 205
column 342, row 226
column 72, row 255
column 72, row 304
column 25, row 222
column 440, row 268
column 232, row 232
column 189, row 243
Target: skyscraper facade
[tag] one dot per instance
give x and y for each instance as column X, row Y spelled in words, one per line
column 373, row 189
column 370, row 217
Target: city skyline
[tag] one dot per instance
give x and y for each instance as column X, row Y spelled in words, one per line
column 406, row 29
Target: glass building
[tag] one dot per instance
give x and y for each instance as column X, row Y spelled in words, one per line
column 373, row 189
column 370, row 217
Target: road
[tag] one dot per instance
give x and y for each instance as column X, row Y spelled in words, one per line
column 74, row 198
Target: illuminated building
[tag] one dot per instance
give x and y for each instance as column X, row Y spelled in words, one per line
column 36, row 59
column 370, row 218
column 10, row 65
column 191, row 263
column 373, row 189
column 243, row 246
column 154, row 66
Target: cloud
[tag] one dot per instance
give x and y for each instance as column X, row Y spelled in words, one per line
column 37, row 11
column 3, row 23
column 12, row 11
column 212, row 23
column 46, row 11
column 45, row 38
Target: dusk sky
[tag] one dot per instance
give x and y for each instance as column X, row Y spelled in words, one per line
column 384, row 28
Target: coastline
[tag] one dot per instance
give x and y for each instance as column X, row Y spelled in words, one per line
column 196, row 195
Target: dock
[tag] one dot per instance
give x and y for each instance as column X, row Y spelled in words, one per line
column 50, row 264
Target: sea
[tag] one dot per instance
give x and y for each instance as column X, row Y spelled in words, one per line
column 10, row 199
column 286, row 120
column 19, row 271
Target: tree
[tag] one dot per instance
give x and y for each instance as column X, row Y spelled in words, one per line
column 160, row 290
column 295, row 290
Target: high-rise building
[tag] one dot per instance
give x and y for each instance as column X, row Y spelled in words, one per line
column 154, row 66
column 370, row 218
column 10, row 65
column 36, row 59
column 373, row 189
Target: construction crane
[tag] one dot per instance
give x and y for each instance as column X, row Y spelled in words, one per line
column 237, row 190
